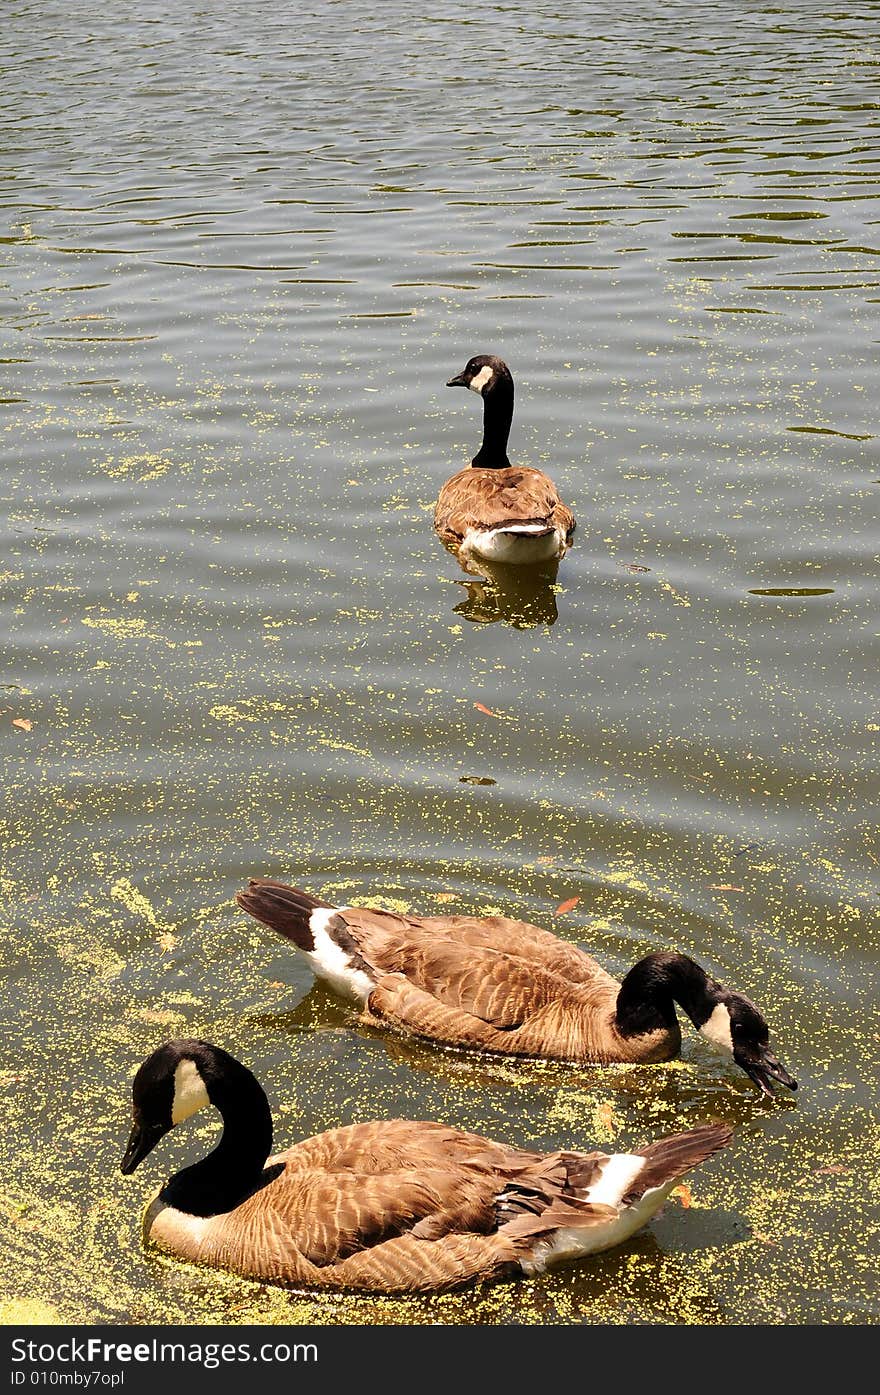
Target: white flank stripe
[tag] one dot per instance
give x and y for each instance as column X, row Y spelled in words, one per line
column 572, row 1242
column 617, row 1177
column 332, row 964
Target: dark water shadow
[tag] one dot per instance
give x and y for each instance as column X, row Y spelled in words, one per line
column 795, row 592
column 318, row 1010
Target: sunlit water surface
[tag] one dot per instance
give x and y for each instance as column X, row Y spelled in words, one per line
column 245, row 246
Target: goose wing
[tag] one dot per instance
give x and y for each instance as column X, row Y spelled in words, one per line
column 488, row 983
column 484, row 499
column 399, row 944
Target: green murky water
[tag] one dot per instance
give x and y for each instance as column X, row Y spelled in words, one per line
column 243, row 250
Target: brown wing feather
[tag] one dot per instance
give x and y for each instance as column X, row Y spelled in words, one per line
column 490, row 983
column 387, row 941
column 400, row 1003
column 568, row 1028
column 483, row 499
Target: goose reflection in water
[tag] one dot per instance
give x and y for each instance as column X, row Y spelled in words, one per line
column 522, row 597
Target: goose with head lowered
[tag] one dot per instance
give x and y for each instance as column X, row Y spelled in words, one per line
column 506, row 986
column 392, row 1206
column 492, row 509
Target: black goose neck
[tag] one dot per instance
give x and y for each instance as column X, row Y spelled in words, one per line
column 649, row 992
column 497, row 417
column 235, row 1167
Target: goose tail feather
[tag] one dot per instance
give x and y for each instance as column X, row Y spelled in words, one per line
column 285, row 909
column 670, row 1158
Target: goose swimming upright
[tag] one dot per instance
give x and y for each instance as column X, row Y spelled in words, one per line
column 395, row 1206
column 503, row 985
column 492, row 509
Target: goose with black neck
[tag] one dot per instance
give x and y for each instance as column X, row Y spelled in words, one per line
column 500, row 985
column 392, row 1205
column 492, row 509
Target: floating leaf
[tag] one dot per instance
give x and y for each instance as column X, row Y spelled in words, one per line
column 445, row 896
column 683, row 1192
column 167, row 942
column 604, row 1117
column 476, row 780
column 792, row 591
column 567, row 906
column 24, row 722
column 723, row 886
column 488, row 711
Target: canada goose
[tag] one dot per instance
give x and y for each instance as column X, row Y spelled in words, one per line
column 390, row 1206
column 504, row 985
column 503, row 512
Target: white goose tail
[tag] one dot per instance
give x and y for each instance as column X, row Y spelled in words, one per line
column 629, row 1190
column 515, row 543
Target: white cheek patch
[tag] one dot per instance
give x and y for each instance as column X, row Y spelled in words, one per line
column 189, row 1092
column 485, row 375
column 717, row 1029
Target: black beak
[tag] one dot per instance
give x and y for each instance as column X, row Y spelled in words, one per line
column 458, row 381
column 144, row 1138
column 764, row 1069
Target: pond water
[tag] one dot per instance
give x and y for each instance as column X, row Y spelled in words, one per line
column 244, row 248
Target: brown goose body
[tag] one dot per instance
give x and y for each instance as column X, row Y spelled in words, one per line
column 494, row 512
column 506, row 986
column 392, row 1206
column 492, row 509
column 486, row 982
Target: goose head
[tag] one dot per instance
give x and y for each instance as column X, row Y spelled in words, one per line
column 736, row 1028
column 483, row 374
column 728, row 1020
column 170, row 1086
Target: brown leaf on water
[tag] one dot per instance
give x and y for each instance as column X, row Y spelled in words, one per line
column 488, row 711
column 275, row 983
column 23, row 722
column 545, row 860
column 724, row 887
column 683, row 1192
column 476, row 780
column 604, row 1115
column 167, row 942
column 634, row 567
column 444, row 896
column 565, row 906
column 832, row 1167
